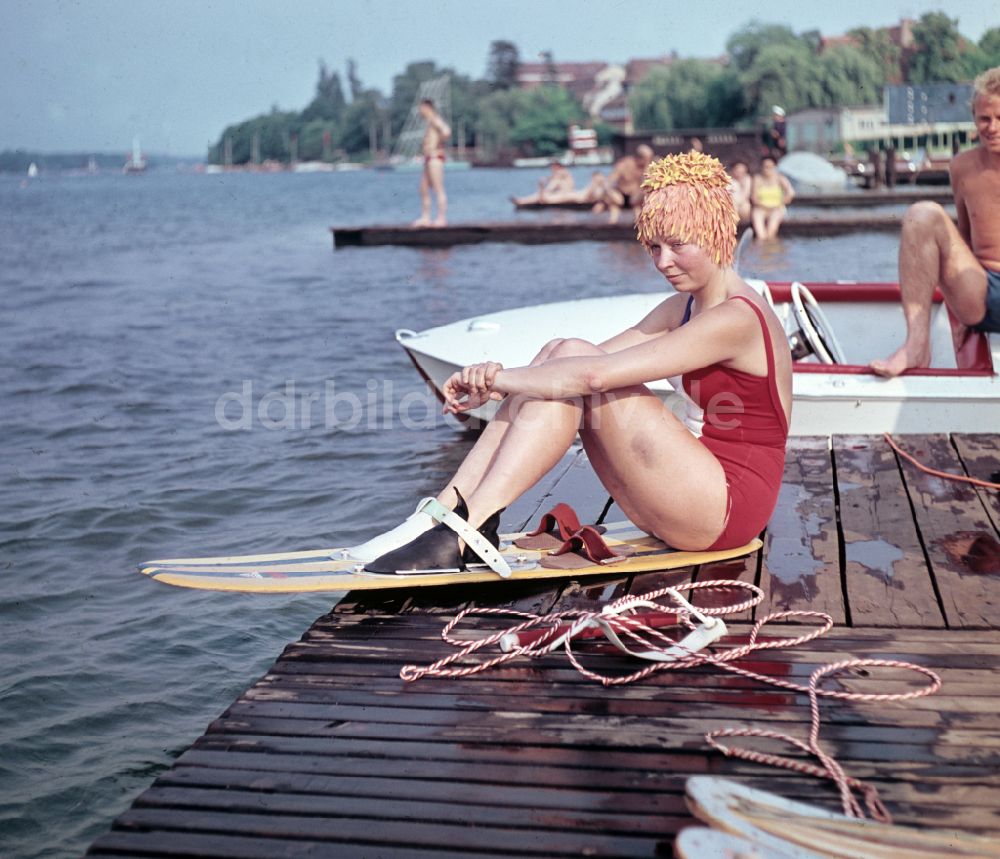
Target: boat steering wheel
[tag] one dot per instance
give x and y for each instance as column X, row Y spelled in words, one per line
column 815, row 327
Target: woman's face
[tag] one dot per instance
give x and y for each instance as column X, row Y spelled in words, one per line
column 685, row 265
column 768, row 167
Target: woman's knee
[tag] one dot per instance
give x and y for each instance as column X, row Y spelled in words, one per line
column 574, row 347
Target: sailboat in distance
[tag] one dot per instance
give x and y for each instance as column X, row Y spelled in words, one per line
column 135, row 163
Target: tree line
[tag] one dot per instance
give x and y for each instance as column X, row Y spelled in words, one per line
column 767, row 64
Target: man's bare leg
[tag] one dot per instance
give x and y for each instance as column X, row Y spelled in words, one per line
column 435, row 177
column 425, row 201
column 932, row 253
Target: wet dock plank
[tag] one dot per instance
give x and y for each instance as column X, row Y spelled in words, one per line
column 332, row 754
column 577, row 230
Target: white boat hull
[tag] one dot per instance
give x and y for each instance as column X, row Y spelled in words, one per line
column 827, row 399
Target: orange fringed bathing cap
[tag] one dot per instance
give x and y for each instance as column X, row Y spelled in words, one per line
column 688, row 196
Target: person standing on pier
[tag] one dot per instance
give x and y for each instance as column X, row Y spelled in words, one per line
column 713, row 332
column 436, row 137
column 963, row 261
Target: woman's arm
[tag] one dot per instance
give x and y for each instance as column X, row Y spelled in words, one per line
column 787, row 189
column 666, row 316
column 719, row 335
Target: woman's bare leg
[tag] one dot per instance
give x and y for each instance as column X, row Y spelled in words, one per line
column 636, row 446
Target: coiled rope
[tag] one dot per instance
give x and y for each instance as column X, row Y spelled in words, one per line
column 624, row 621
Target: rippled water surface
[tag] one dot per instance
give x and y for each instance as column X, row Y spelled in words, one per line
column 143, row 318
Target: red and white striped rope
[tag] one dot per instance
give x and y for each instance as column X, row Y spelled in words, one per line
column 622, row 617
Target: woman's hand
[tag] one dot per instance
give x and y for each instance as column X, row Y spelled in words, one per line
column 471, row 386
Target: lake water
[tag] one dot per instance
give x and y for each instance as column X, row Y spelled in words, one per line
column 144, row 318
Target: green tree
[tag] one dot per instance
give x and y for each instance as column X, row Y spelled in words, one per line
column 543, row 124
column 498, row 114
column 502, row 64
column 353, row 81
column 747, row 42
column 687, row 94
column 879, row 47
column 849, row 77
column 356, row 126
column 328, row 103
column 272, row 131
column 938, row 51
column 989, row 45
column 786, row 74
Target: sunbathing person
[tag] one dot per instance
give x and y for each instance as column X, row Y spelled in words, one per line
column 623, row 186
column 557, row 187
column 712, row 330
column 964, row 261
column 770, row 195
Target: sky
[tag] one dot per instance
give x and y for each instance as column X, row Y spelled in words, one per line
column 89, row 75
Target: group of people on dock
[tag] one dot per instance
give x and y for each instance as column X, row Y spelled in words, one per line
column 718, row 341
column 760, row 199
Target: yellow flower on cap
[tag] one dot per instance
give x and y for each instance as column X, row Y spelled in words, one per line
column 688, row 196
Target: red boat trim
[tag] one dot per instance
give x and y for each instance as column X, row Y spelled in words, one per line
column 859, row 293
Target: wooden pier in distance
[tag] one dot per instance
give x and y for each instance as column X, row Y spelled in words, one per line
column 842, row 199
column 331, row 754
column 583, row 230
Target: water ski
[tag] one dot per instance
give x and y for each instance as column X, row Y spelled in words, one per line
column 785, row 828
column 326, row 570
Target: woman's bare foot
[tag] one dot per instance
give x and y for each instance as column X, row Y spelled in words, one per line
column 904, row 358
column 422, row 221
column 439, row 222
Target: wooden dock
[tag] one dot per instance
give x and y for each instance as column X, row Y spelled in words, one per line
column 331, row 754
column 582, row 230
column 845, row 199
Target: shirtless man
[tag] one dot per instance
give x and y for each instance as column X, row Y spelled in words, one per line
column 963, row 262
column 624, row 183
column 436, row 138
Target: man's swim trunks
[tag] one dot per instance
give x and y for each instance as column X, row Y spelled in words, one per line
column 991, row 321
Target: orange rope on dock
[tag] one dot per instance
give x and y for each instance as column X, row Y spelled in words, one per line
column 943, row 474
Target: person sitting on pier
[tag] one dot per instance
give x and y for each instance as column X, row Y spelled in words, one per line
column 741, row 187
column 436, row 137
column 623, row 186
column 713, row 333
column 558, row 187
column 770, row 195
column 964, row 261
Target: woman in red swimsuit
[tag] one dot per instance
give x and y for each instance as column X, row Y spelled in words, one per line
column 714, row 331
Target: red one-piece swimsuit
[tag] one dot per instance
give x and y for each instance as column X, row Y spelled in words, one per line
column 746, row 429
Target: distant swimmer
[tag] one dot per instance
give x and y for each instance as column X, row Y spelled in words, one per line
column 436, row 138
column 964, row 261
column 624, row 183
column 557, row 187
column 771, row 193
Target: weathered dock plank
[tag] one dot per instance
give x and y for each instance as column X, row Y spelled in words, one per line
column 952, row 521
column 801, row 564
column 582, row 230
column 886, row 576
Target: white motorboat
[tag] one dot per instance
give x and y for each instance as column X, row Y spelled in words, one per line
column 834, row 330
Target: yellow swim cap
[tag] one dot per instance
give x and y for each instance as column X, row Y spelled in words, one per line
column 688, row 196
